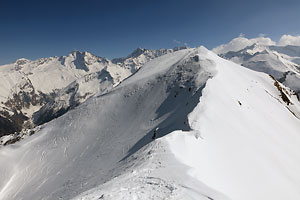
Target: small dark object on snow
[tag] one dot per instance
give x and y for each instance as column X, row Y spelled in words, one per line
column 196, row 58
column 154, row 134
column 102, row 196
column 176, row 94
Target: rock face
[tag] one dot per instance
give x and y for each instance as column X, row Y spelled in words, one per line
column 8, row 125
column 15, row 112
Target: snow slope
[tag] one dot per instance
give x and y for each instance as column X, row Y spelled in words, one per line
column 220, row 131
column 249, row 146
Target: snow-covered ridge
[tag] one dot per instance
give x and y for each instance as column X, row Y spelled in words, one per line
column 173, row 81
column 187, row 125
column 48, row 87
column 140, row 56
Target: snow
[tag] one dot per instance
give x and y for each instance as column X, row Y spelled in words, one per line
column 157, row 174
column 242, row 42
column 140, row 56
column 28, row 86
column 247, row 151
column 44, row 85
column 222, row 132
column 48, row 74
column 80, row 150
column 282, row 62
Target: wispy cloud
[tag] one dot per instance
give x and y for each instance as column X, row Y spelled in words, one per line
column 289, row 40
column 179, row 43
column 242, row 35
column 176, row 41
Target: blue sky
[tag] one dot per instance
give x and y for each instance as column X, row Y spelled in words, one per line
column 113, row 28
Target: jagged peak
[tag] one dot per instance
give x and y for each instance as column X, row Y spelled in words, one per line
column 137, row 52
column 76, row 54
column 84, row 55
column 178, row 48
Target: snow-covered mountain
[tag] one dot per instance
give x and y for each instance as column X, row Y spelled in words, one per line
column 186, row 125
column 27, row 86
column 74, row 94
column 35, row 92
column 261, row 54
column 140, row 56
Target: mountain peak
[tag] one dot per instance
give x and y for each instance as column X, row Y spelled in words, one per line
column 76, row 53
column 137, row 52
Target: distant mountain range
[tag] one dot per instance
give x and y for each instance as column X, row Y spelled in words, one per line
column 282, row 62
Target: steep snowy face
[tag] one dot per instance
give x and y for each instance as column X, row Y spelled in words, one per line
column 245, row 138
column 92, row 143
column 282, row 62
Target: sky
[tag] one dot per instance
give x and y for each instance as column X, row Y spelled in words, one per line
column 113, row 28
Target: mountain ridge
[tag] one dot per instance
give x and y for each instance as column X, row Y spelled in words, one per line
column 187, row 125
